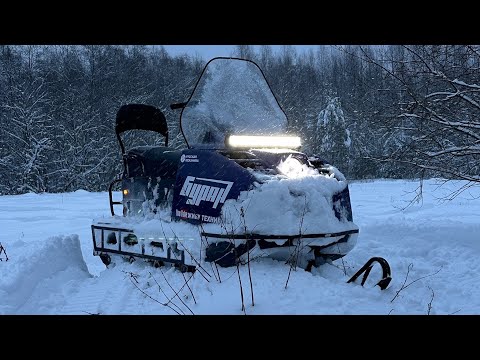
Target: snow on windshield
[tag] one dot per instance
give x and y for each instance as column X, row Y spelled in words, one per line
column 232, row 97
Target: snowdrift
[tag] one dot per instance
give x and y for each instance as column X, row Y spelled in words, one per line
column 36, row 271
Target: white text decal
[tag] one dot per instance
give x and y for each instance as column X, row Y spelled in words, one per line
column 197, row 192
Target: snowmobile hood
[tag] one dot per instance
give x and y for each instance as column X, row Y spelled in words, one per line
column 231, row 97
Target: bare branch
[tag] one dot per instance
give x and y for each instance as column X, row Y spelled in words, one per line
column 2, row 249
column 150, row 297
column 429, row 305
column 403, row 287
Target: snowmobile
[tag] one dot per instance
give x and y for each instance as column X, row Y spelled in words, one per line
column 241, row 182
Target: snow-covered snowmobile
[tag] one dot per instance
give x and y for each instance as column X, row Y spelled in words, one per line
column 239, row 184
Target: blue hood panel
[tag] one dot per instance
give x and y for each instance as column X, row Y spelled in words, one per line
column 205, row 180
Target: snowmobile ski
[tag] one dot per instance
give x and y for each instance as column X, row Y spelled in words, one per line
column 365, row 270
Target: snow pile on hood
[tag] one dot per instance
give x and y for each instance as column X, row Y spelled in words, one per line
column 300, row 201
column 293, row 168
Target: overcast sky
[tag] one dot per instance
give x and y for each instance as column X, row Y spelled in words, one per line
column 211, row 51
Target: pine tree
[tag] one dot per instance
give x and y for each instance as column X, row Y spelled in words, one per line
column 333, row 137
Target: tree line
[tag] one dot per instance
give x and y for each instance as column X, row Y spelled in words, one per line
column 372, row 111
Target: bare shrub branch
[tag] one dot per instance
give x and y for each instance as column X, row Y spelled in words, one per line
column 293, row 259
column 178, row 291
column 152, row 298
column 2, row 249
column 403, row 287
column 429, row 305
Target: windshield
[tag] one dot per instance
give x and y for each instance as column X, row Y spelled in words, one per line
column 231, row 98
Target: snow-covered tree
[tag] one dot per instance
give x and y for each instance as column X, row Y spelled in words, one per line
column 25, row 124
column 413, row 107
column 244, row 52
column 332, row 135
column 436, row 117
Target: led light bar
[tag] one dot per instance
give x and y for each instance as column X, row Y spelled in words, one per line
column 241, row 141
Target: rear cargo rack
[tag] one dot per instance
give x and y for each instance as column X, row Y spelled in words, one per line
column 99, row 248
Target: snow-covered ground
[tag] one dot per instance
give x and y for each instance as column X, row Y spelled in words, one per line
column 51, row 269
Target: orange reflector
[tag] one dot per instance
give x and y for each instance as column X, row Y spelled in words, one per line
column 125, row 192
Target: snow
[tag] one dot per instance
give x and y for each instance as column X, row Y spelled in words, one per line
column 333, row 111
column 459, row 82
column 51, row 268
column 295, row 204
column 348, row 140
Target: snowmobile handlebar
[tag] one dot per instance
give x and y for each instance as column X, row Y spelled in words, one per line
column 178, row 105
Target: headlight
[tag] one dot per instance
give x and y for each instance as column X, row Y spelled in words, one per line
column 240, row 141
